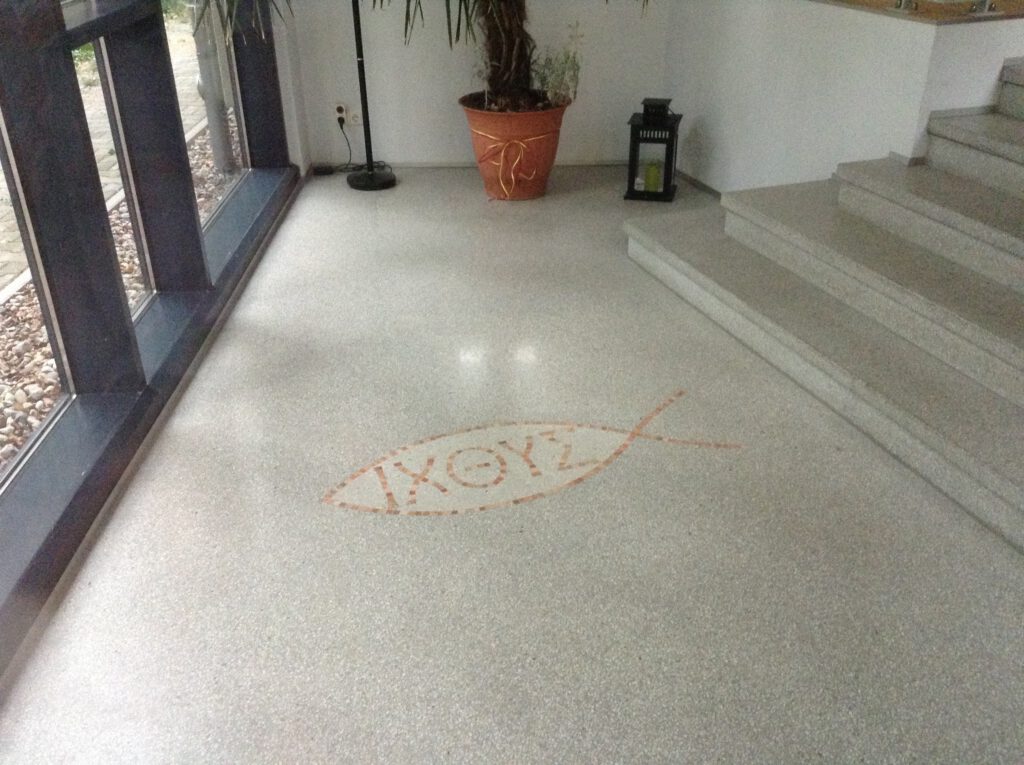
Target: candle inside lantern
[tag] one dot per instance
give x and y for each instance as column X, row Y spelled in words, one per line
column 652, row 177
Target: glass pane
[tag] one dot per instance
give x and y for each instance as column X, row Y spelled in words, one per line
column 134, row 270
column 204, row 78
column 30, row 384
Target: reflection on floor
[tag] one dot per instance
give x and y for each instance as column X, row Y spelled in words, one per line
column 804, row 597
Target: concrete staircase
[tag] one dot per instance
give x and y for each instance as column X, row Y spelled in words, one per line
column 895, row 294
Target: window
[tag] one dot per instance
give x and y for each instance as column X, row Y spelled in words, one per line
column 128, row 278
column 31, row 388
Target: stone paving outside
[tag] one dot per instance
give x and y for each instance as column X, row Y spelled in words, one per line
column 186, row 68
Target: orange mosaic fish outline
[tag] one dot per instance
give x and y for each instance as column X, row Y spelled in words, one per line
column 422, row 477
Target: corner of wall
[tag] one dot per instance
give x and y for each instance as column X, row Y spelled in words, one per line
column 293, row 99
column 964, row 70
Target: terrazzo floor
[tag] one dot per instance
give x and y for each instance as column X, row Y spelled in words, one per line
column 639, row 542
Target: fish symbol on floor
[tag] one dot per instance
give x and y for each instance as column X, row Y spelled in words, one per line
column 493, row 466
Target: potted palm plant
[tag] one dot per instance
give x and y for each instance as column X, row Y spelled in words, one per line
column 516, row 120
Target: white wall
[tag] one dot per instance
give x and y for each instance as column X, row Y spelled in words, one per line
column 413, row 89
column 781, row 91
column 289, row 70
column 772, row 91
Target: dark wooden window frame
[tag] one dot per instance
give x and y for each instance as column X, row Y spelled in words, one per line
column 122, row 374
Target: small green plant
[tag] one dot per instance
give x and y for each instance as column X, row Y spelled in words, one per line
column 557, row 73
column 175, row 9
column 83, row 56
column 85, row 65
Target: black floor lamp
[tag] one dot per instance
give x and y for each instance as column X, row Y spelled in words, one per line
column 373, row 178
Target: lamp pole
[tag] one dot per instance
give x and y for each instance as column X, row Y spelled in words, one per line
column 372, row 178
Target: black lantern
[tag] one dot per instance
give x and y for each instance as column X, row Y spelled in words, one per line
column 659, row 126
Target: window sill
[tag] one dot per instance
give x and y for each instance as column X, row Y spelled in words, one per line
column 61, row 486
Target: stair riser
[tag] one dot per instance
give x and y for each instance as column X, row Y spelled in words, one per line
column 916, row 205
column 960, row 159
column 1011, row 100
column 995, row 263
column 936, row 461
column 1013, row 71
column 899, row 310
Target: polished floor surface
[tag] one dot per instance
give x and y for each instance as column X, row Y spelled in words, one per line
column 458, row 482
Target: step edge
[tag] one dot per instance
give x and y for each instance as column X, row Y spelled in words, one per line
column 975, row 362
column 1012, row 73
column 943, row 127
column 986, row 262
column 1011, row 101
column 848, row 172
column 946, row 320
column 989, row 507
column 990, row 170
column 1009, row 489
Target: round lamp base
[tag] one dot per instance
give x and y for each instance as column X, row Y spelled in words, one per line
column 371, row 180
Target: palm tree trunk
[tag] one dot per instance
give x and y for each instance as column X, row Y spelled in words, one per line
column 509, row 51
column 213, row 95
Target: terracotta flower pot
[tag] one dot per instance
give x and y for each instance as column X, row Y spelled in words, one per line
column 514, row 150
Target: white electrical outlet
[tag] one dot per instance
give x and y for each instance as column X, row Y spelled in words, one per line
column 350, row 117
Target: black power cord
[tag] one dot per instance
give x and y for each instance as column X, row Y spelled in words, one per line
column 348, row 166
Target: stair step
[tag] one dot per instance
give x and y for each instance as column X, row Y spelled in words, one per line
column 1013, row 72
column 975, row 225
column 1011, row 100
column 995, row 134
column 959, row 317
column 958, row 434
column 988, row 148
